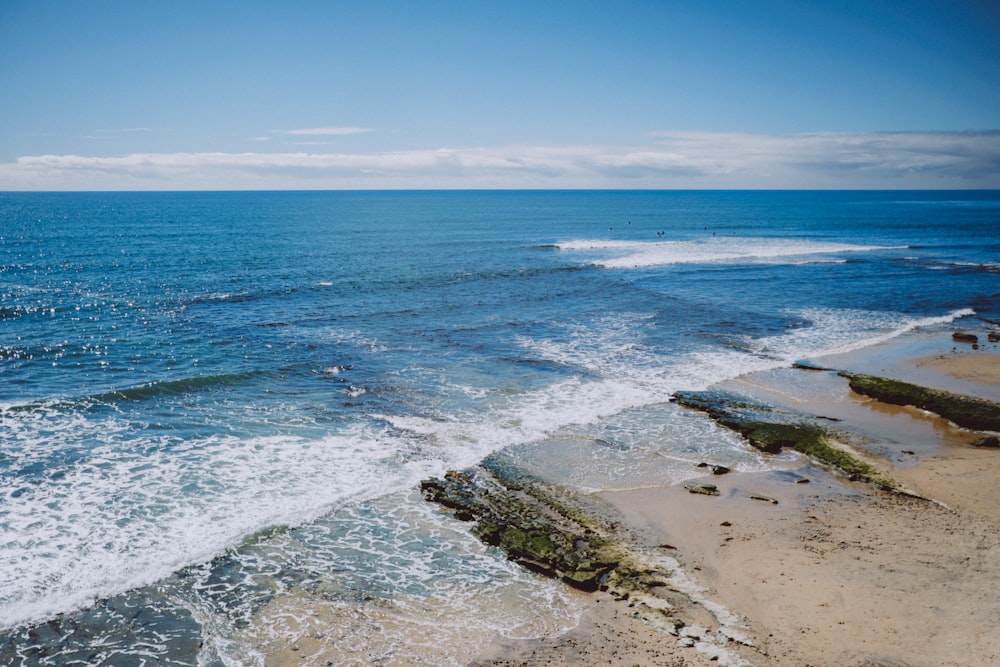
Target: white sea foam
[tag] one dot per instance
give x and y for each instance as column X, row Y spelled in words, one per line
column 623, row 384
column 434, row 593
column 616, row 349
column 649, row 443
column 728, row 249
column 838, row 331
column 465, row 438
column 132, row 510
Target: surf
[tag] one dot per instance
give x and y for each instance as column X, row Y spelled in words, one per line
column 614, row 254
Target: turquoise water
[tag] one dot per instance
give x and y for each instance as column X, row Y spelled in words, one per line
column 213, row 401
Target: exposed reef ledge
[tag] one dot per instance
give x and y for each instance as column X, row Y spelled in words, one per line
column 545, row 531
column 531, row 526
column 771, row 430
column 966, row 411
column 551, row 531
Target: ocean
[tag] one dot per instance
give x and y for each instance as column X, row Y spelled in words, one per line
column 216, row 407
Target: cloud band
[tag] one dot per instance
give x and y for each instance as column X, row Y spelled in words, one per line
column 668, row 160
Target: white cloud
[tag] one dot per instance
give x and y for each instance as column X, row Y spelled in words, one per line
column 852, row 156
column 668, row 160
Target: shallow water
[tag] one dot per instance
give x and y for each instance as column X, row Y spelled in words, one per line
column 218, row 405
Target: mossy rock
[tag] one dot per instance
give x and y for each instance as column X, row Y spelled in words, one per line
column 965, row 411
column 530, row 523
column 488, row 531
column 771, row 431
column 547, row 530
column 534, row 543
column 772, row 437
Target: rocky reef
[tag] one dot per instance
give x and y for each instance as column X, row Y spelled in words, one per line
column 547, row 531
column 771, row 430
column 532, row 526
column 965, row 411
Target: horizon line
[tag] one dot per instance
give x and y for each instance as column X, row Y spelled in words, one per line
column 415, row 190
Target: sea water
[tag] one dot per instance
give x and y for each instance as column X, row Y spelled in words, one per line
column 215, row 408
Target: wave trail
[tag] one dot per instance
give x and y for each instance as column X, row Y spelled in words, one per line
column 142, row 392
column 131, row 513
column 172, row 387
column 838, row 332
column 633, row 254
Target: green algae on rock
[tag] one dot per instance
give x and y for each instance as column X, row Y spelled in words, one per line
column 965, row 411
column 544, row 530
column 528, row 523
column 771, row 431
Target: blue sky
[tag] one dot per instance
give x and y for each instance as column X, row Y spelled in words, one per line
column 121, row 95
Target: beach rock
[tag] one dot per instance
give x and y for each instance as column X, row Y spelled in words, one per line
column 990, row 441
column 994, row 337
column 805, row 365
column 533, row 528
column 770, row 430
column 962, row 337
column 965, row 411
column 544, row 529
column 704, row 489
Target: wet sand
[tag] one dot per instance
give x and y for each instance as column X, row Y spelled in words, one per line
column 818, row 570
column 973, row 367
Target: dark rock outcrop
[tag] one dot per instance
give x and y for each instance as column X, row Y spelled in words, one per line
column 530, row 525
column 990, row 442
column 771, row 431
column 806, row 365
column 965, row 411
column 703, row 489
column 716, row 469
column 545, row 531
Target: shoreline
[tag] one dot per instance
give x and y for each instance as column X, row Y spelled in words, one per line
column 797, row 565
column 825, row 571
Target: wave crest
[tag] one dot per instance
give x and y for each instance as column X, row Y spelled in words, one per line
column 635, row 254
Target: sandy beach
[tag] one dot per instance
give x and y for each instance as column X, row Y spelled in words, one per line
column 974, row 367
column 818, row 570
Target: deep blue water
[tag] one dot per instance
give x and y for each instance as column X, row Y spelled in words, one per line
column 212, row 401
